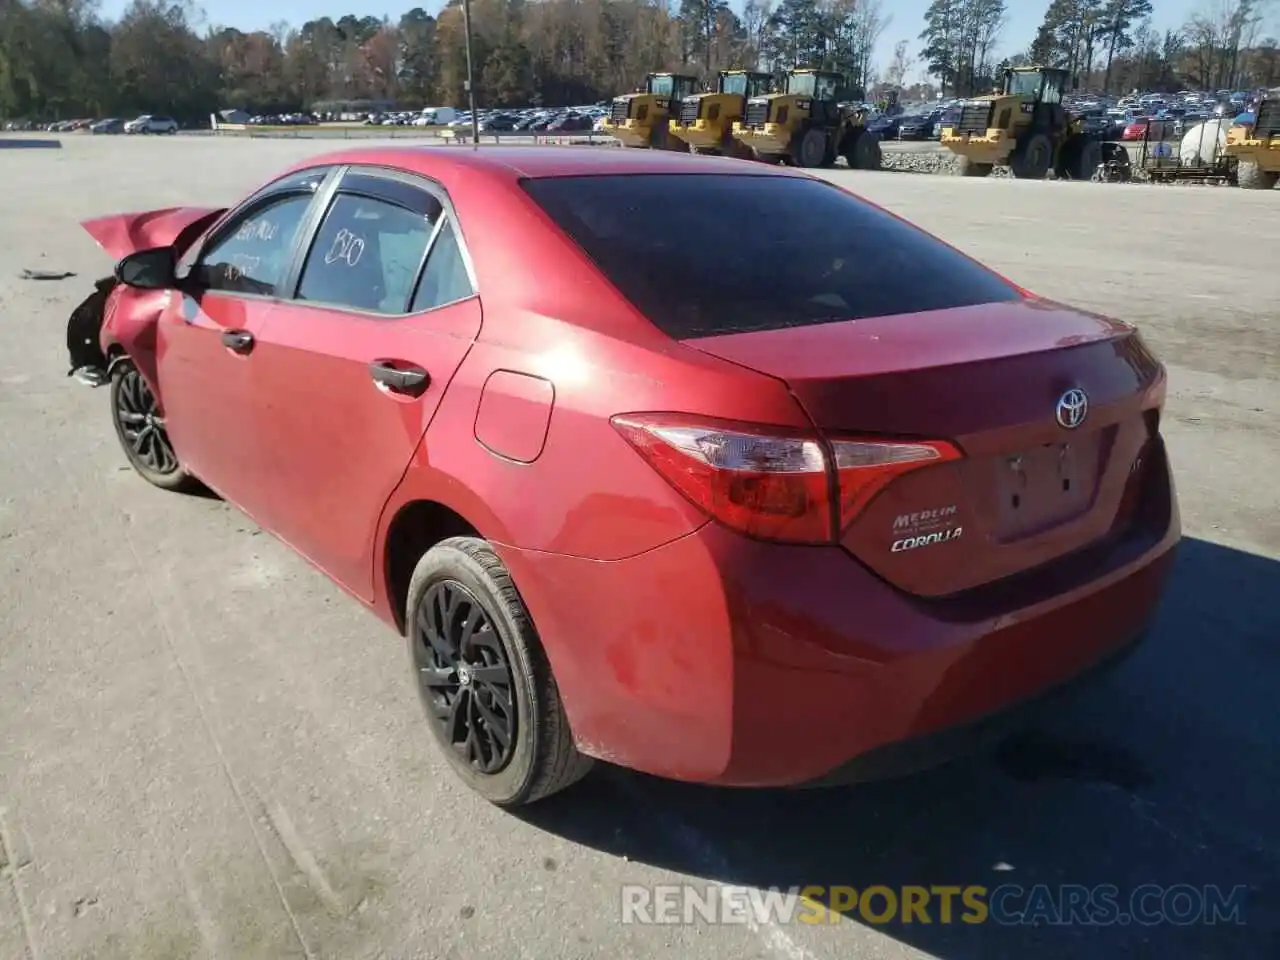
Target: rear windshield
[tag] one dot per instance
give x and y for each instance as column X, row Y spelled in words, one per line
column 704, row 254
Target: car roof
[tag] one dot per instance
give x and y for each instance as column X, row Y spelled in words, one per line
column 532, row 162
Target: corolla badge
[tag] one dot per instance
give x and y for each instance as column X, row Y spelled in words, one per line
column 1073, row 407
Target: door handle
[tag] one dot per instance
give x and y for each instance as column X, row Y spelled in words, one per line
column 239, row 341
column 408, row 379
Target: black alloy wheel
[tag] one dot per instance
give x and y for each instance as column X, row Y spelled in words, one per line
column 140, row 425
column 464, row 677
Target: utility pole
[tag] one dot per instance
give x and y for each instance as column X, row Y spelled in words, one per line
column 471, row 77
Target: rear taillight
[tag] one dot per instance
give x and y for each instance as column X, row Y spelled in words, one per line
column 865, row 467
column 773, row 483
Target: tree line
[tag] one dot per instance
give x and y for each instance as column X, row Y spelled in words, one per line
column 60, row 59
column 1113, row 44
column 1107, row 46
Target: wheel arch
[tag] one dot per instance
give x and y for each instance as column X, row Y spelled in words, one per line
column 415, row 527
column 115, row 353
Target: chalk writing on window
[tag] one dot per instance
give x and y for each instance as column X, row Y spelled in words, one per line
column 346, row 248
column 261, row 229
column 242, row 264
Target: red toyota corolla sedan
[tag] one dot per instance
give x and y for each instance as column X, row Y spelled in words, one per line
column 701, row 467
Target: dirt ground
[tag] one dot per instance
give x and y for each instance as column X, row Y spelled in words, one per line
column 207, row 751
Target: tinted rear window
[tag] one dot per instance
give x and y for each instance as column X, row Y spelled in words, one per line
column 703, row 255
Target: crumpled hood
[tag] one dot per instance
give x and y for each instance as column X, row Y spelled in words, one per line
column 121, row 234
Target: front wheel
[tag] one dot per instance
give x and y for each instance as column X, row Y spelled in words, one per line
column 864, row 152
column 1032, row 160
column 810, row 148
column 1250, row 176
column 483, row 678
column 141, row 427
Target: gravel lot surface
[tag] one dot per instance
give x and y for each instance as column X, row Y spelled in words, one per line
column 206, row 750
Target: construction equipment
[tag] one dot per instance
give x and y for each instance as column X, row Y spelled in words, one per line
column 641, row 119
column 1257, row 148
column 705, row 120
column 1026, row 127
column 806, row 126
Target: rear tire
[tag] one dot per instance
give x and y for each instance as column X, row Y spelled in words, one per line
column 1032, row 160
column 810, row 148
column 1088, row 161
column 473, row 683
column 1250, row 176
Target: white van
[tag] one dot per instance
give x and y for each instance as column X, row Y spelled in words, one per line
column 435, row 116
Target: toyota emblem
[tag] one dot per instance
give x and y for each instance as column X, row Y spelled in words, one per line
column 1073, row 407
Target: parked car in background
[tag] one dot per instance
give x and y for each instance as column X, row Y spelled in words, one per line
column 569, row 123
column 1151, row 128
column 498, row 123
column 150, row 123
column 110, row 125
column 913, row 124
column 949, row 115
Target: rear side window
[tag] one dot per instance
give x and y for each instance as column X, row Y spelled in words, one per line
column 704, row 254
column 366, row 255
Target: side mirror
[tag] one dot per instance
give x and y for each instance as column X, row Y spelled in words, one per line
column 149, row 269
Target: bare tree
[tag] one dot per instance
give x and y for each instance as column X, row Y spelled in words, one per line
column 896, row 74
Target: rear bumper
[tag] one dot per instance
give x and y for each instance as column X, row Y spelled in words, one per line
column 939, row 747
column 721, row 660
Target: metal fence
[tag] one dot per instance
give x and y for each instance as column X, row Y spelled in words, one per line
column 433, row 135
column 1197, row 154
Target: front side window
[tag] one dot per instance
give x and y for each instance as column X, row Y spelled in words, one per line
column 366, row 254
column 708, row 254
column 252, row 253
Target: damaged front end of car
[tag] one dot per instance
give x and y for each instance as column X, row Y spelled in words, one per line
column 89, row 326
column 88, row 363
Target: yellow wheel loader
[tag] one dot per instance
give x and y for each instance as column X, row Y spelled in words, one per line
column 806, row 126
column 1026, row 127
column 1257, row 148
column 641, row 119
column 705, row 120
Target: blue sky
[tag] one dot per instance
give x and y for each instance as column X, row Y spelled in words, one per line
column 907, row 16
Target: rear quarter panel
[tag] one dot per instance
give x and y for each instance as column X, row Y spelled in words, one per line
column 588, row 494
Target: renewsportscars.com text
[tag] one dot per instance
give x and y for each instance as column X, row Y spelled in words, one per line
column 1008, row 904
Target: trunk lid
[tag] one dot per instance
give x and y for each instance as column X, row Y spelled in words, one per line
column 121, row 234
column 989, row 379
